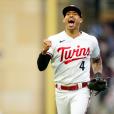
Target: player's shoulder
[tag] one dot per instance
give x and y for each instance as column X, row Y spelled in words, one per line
column 89, row 37
column 56, row 36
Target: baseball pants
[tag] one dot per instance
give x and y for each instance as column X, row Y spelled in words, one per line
column 72, row 102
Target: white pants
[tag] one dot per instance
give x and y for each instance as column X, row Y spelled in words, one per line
column 72, row 102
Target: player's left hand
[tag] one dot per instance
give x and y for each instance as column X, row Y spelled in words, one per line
column 97, row 84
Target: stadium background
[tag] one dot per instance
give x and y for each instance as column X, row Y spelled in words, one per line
column 23, row 26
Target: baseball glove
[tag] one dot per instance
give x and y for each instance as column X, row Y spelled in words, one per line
column 97, row 84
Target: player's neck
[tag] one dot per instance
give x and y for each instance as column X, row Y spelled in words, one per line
column 73, row 33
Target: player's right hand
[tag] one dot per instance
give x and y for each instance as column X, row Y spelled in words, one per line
column 46, row 45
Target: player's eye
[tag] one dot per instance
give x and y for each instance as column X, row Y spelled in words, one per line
column 75, row 13
column 68, row 14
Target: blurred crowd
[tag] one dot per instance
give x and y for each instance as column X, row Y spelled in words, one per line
column 104, row 102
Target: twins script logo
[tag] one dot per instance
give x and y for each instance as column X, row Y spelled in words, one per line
column 69, row 55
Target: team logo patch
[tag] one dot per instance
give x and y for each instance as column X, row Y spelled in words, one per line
column 68, row 54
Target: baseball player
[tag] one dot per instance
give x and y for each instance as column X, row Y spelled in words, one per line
column 70, row 52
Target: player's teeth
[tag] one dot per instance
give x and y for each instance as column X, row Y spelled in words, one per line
column 71, row 21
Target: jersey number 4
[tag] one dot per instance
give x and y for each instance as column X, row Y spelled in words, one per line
column 82, row 65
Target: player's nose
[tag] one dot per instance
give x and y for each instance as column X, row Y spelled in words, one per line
column 71, row 15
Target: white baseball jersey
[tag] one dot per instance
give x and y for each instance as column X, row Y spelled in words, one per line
column 71, row 57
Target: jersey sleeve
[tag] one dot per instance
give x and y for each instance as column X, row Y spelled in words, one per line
column 96, row 49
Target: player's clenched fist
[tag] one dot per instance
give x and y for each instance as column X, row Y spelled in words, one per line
column 46, row 45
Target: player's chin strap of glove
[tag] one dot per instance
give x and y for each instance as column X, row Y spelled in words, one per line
column 97, row 84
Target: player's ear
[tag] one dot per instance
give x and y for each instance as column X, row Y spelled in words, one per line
column 81, row 20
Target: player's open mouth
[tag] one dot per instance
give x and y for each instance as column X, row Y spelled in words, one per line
column 71, row 22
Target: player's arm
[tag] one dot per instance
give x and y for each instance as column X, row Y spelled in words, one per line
column 97, row 66
column 42, row 61
column 44, row 58
column 98, row 83
column 96, row 58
